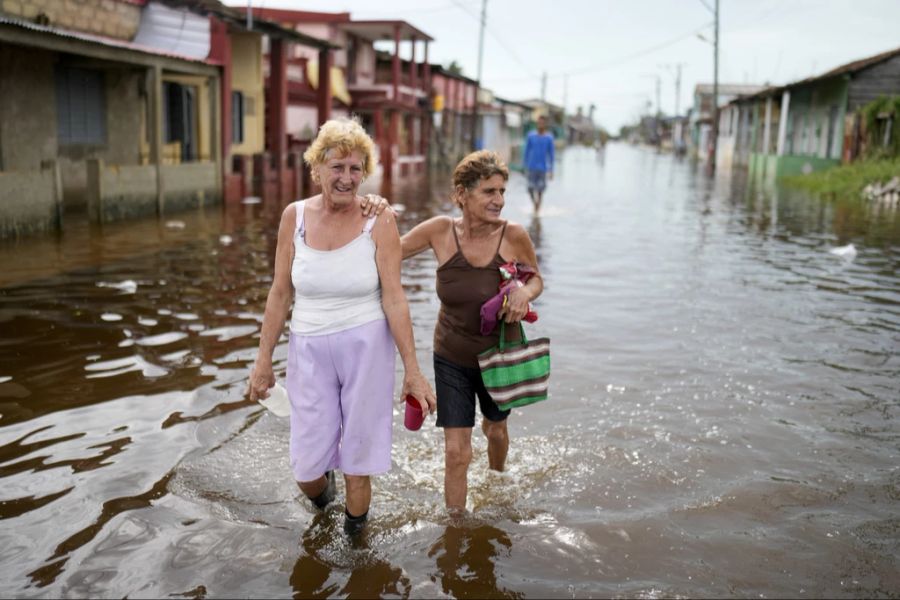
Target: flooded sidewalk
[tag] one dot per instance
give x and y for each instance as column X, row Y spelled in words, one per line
column 723, row 419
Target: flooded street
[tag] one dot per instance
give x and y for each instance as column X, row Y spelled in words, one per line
column 724, row 418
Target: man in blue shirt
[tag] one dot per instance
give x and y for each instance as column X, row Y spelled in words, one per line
column 538, row 158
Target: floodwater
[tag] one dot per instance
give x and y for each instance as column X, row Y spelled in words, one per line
column 724, row 418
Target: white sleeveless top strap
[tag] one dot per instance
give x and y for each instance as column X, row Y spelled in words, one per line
column 334, row 290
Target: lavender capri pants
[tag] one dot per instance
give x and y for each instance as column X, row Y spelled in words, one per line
column 341, row 388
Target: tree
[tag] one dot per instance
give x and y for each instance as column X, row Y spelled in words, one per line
column 454, row 68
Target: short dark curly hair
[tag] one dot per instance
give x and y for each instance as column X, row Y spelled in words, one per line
column 476, row 166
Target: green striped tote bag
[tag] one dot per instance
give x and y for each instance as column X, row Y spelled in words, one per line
column 516, row 373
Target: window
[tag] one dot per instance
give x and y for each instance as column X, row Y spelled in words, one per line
column 80, row 106
column 237, row 117
column 180, row 118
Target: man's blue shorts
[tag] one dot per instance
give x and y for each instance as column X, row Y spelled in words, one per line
column 537, row 181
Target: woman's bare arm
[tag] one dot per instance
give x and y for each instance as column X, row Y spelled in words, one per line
column 422, row 236
column 278, row 303
column 396, row 308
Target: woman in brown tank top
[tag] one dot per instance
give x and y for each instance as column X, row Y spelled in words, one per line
column 469, row 251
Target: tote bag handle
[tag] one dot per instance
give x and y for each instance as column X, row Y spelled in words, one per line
column 503, row 343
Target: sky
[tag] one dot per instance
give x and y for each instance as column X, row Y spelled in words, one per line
column 611, row 53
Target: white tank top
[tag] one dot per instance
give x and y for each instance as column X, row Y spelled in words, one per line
column 337, row 289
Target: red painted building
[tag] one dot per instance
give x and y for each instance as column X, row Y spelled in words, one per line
column 257, row 157
column 390, row 95
column 454, row 107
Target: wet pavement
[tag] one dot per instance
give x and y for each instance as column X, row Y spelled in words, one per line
column 723, row 418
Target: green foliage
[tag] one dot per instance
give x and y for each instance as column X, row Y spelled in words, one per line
column 455, row 68
column 847, row 181
column 875, row 147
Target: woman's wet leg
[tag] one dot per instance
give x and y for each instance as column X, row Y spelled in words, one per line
column 457, row 456
column 498, row 442
column 359, row 496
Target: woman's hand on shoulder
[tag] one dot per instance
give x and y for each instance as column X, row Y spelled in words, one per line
column 374, row 205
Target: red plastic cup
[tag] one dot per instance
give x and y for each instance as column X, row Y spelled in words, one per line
column 414, row 416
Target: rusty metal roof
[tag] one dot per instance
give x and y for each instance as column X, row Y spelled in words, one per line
column 851, row 67
column 846, row 69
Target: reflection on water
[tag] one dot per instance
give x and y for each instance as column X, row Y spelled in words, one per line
column 369, row 576
column 466, row 561
column 722, row 421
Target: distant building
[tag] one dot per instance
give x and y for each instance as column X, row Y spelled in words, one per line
column 810, row 124
column 556, row 116
column 502, row 126
column 453, row 98
column 580, row 127
column 390, row 95
column 701, row 112
column 121, row 108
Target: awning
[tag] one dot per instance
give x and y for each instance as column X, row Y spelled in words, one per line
column 338, row 83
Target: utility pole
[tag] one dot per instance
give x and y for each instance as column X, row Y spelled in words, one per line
column 565, row 92
column 658, row 105
column 678, row 87
column 475, row 124
column 249, row 14
column 677, row 67
column 715, row 116
column 481, row 38
column 544, row 87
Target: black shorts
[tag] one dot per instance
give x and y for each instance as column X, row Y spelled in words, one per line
column 456, row 389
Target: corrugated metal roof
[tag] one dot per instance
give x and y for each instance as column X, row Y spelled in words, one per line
column 846, row 69
column 851, row 67
column 95, row 39
column 728, row 89
column 175, row 30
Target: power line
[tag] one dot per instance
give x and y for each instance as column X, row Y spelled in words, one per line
column 616, row 62
column 497, row 39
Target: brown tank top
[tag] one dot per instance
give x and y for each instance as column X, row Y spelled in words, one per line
column 462, row 289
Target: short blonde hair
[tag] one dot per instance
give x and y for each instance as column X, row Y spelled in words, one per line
column 476, row 166
column 344, row 136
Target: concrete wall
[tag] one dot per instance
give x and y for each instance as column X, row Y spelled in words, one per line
column 190, row 185
column 120, row 192
column 28, row 119
column 104, row 17
column 124, row 192
column 124, row 130
column 30, row 201
column 729, row 119
column 27, row 108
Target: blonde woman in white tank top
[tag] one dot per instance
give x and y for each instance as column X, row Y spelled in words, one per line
column 341, row 271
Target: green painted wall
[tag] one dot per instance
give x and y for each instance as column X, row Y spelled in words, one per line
column 768, row 167
column 797, row 165
column 816, row 119
column 815, row 116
